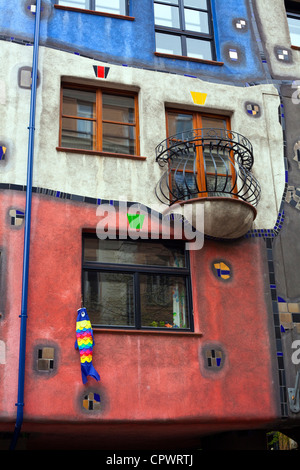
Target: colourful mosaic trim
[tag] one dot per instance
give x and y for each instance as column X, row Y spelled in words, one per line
column 278, row 331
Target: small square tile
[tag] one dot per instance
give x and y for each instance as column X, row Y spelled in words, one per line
column 233, row 54
column 293, row 307
column 282, row 307
column 48, row 353
column 285, row 317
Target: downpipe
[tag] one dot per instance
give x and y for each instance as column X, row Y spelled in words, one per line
column 23, row 316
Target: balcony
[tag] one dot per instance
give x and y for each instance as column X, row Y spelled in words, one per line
column 210, row 167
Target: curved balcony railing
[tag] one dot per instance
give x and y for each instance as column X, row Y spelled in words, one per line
column 206, row 162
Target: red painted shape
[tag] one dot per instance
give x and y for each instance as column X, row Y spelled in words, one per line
column 145, row 377
column 100, row 71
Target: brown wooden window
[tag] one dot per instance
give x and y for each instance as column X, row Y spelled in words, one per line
column 100, row 120
column 205, row 167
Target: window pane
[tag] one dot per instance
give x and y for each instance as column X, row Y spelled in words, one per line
column 166, row 15
column 214, row 123
column 75, row 3
column 216, row 186
column 294, row 26
column 111, row 6
column 168, row 44
column 118, row 108
column 130, row 252
column 118, row 138
column 78, row 133
column 163, row 301
column 109, row 298
column 201, row 4
column 215, row 163
column 196, row 21
column 179, row 123
column 79, row 103
column 184, row 185
column 174, row 2
column 198, row 49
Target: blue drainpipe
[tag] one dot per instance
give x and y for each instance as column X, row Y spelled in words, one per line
column 23, row 316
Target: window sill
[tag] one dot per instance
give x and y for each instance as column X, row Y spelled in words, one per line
column 93, row 12
column 101, row 154
column 192, row 59
column 126, row 331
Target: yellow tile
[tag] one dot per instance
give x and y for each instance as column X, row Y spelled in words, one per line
column 285, row 317
column 199, row 98
column 293, row 307
column 282, row 307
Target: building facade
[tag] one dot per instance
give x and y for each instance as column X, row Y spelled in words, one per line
column 164, row 148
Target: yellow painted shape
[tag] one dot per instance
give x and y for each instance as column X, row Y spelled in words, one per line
column 223, row 267
column 198, row 97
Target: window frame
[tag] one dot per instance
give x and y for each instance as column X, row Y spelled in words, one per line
column 92, row 9
column 136, row 270
column 201, row 173
column 184, row 34
column 98, row 137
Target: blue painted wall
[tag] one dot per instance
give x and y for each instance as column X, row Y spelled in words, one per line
column 133, row 42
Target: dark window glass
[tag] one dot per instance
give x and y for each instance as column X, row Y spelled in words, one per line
column 163, row 301
column 129, row 252
column 109, row 298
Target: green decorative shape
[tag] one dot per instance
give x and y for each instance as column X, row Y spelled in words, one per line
column 135, row 220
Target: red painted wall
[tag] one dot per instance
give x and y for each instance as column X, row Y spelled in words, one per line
column 144, row 376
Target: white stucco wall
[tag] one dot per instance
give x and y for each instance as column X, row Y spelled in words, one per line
column 274, row 27
column 118, row 178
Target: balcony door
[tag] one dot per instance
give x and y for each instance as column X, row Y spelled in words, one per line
column 201, row 158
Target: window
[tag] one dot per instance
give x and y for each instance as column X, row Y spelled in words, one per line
column 99, row 120
column 136, row 284
column 118, row 7
column 184, row 28
column 208, row 167
column 293, row 18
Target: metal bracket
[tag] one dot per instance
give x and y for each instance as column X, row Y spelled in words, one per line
column 294, row 396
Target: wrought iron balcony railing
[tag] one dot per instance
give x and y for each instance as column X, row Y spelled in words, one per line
column 206, row 163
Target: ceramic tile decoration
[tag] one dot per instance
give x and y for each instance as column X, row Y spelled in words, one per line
column 233, row 54
column 2, row 152
column 283, row 55
column 223, row 271
column 240, row 24
column 45, row 359
column 92, row 401
column 214, row 358
column 253, row 109
column 16, row 217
